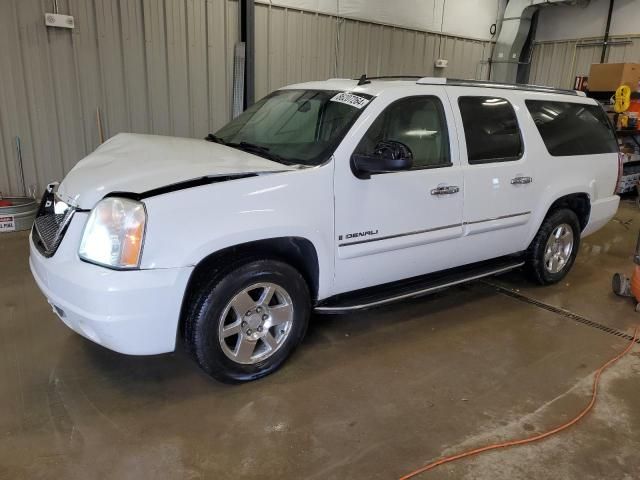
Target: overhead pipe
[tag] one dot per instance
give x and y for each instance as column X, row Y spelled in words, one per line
column 514, row 29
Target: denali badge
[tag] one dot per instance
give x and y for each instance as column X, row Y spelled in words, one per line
column 358, row 234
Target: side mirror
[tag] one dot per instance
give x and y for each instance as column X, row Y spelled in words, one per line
column 389, row 156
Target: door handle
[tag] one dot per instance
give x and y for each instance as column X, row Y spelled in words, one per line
column 445, row 190
column 521, row 180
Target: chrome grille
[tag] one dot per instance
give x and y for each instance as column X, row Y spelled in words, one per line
column 51, row 222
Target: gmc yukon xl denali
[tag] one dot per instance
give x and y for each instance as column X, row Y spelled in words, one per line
column 330, row 196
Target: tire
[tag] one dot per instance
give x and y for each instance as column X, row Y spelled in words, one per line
column 220, row 337
column 547, row 271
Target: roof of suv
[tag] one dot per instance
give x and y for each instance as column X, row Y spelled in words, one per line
column 375, row 85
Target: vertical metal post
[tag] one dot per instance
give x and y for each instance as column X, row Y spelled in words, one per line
column 606, row 33
column 247, row 36
column 238, row 96
column 99, row 125
column 21, row 166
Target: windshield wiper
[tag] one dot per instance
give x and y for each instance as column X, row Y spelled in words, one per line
column 212, row 138
column 259, row 150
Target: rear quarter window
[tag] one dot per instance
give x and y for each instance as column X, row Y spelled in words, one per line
column 570, row 128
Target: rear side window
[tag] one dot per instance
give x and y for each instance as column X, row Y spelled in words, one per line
column 490, row 129
column 573, row 128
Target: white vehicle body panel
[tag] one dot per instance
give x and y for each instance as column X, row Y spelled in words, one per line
column 496, row 211
column 138, row 163
column 138, row 311
column 416, row 228
column 131, row 312
column 268, row 206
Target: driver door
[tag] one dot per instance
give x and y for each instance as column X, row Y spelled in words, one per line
column 400, row 224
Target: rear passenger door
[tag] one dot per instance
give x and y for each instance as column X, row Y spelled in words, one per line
column 499, row 175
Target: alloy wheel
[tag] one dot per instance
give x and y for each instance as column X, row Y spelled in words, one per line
column 558, row 249
column 255, row 323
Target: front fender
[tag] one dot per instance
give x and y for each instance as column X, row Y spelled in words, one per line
column 186, row 226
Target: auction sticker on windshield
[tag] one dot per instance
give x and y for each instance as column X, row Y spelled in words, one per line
column 350, row 99
column 7, row 223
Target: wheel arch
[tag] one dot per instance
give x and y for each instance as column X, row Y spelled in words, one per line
column 298, row 252
column 579, row 203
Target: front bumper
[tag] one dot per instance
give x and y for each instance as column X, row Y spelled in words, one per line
column 133, row 312
column 602, row 211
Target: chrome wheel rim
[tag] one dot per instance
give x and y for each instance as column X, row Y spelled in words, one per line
column 255, row 323
column 557, row 252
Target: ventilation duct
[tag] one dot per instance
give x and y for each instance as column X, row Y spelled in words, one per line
column 515, row 26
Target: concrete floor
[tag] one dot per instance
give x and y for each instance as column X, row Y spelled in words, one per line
column 367, row 396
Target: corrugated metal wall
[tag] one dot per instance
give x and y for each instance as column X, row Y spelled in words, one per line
column 558, row 63
column 149, row 65
column 165, row 67
column 296, row 46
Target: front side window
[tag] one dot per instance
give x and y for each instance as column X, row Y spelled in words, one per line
column 295, row 126
column 573, row 128
column 490, row 129
column 417, row 122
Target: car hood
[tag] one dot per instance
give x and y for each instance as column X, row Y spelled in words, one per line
column 136, row 164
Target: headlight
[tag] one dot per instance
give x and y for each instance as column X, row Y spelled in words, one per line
column 114, row 233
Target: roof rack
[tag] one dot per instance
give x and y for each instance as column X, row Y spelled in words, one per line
column 363, row 80
column 505, row 86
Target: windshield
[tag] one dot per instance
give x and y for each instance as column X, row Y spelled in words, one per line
column 294, row 126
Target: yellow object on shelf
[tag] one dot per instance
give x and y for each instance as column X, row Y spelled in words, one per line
column 623, row 121
column 623, row 99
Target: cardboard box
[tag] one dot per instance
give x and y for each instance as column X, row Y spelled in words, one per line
column 607, row 77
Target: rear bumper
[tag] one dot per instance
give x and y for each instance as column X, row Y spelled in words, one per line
column 602, row 211
column 131, row 312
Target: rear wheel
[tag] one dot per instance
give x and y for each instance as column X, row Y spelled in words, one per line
column 554, row 248
column 246, row 322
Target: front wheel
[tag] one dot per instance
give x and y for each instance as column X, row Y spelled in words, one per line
column 245, row 323
column 554, row 248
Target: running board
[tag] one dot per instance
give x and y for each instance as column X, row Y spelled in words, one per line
column 415, row 287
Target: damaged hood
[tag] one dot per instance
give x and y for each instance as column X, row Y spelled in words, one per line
column 136, row 163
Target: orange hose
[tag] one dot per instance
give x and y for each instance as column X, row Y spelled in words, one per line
column 533, row 438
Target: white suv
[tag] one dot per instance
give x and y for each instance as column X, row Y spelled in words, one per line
column 330, row 196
